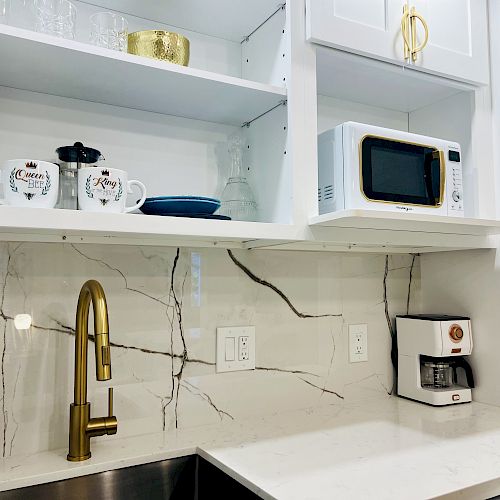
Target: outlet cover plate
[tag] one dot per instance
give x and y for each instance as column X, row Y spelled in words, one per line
column 224, row 336
column 358, row 343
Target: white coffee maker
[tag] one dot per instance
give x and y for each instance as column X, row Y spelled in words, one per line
column 431, row 363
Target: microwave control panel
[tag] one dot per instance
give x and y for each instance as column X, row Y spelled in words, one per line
column 457, row 196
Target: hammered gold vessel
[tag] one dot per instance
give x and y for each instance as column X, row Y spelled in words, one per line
column 157, row 44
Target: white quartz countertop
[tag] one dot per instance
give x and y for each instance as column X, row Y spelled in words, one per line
column 380, row 448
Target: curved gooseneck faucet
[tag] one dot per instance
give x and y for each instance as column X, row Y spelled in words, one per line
column 81, row 426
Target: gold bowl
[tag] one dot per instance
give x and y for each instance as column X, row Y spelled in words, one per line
column 157, row 44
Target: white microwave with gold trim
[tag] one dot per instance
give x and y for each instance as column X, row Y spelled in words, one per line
column 367, row 167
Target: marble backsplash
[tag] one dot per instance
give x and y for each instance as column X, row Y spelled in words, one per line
column 165, row 305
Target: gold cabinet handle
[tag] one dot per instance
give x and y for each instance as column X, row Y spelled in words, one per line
column 415, row 49
column 405, row 30
column 409, row 23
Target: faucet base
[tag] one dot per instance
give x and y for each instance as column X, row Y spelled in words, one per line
column 82, row 428
column 78, row 459
column 79, row 441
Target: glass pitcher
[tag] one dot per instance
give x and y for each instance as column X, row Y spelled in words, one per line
column 237, row 200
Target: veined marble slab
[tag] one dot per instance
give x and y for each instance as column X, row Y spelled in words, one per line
column 165, row 305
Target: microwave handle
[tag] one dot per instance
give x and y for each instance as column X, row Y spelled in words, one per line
column 442, row 175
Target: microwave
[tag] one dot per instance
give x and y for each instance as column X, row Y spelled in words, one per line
column 367, row 167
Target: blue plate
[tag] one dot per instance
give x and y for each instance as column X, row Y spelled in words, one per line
column 166, row 205
column 189, row 198
column 200, row 216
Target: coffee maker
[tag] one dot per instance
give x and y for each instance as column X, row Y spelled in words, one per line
column 432, row 367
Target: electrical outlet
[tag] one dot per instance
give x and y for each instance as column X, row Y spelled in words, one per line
column 358, row 343
column 235, row 348
column 243, row 353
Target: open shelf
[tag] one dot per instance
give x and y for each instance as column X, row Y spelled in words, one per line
column 360, row 79
column 66, row 68
column 228, row 19
column 75, row 226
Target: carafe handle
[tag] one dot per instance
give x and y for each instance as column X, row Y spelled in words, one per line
column 469, row 375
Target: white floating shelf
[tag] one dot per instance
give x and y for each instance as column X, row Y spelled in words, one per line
column 360, row 79
column 371, row 230
column 349, row 230
column 74, row 226
column 395, row 221
column 50, row 65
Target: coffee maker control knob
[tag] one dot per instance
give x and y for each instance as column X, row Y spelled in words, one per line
column 456, row 333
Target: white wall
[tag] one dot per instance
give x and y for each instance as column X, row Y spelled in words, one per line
column 468, row 283
column 332, row 112
column 494, row 20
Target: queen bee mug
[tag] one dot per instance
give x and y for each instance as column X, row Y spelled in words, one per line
column 30, row 183
column 106, row 189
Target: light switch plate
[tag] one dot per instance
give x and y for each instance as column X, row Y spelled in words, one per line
column 243, row 340
column 358, row 343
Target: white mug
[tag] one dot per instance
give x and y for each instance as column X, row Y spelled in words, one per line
column 102, row 189
column 30, row 183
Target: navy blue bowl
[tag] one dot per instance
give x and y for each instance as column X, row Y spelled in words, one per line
column 166, row 205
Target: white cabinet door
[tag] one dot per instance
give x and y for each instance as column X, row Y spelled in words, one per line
column 458, row 38
column 368, row 27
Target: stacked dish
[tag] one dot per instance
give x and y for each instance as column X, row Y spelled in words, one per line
column 199, row 207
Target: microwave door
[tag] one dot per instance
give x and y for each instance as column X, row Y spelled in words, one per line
column 399, row 172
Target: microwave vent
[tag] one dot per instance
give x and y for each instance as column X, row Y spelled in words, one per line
column 328, row 192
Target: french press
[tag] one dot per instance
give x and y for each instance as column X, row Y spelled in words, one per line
column 71, row 159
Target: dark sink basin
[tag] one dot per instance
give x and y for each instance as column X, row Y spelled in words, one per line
column 183, row 478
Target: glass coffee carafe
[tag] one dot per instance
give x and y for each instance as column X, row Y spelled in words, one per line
column 436, row 374
column 442, row 373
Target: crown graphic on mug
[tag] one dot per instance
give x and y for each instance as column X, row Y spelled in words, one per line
column 31, row 165
column 105, row 172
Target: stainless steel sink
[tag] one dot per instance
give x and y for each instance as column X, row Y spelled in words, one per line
column 183, row 478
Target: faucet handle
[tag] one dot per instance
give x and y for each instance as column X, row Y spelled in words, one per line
column 110, row 401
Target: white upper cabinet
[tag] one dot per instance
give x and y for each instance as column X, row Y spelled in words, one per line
column 367, row 27
column 458, row 38
column 457, row 33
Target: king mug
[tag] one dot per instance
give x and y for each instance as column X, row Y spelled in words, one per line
column 106, row 189
column 30, row 183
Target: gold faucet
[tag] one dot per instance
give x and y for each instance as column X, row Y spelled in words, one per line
column 81, row 426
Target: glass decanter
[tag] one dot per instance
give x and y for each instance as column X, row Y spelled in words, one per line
column 237, row 200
